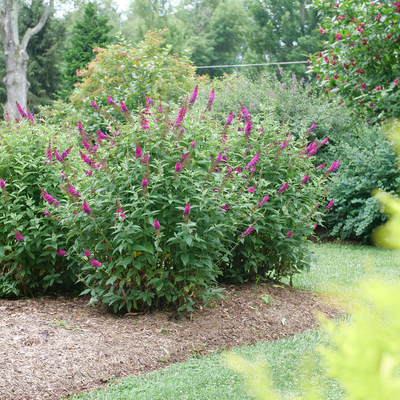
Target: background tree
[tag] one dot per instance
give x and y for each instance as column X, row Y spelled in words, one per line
column 15, row 51
column 90, row 32
column 282, row 30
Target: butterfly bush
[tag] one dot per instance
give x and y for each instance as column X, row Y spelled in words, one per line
column 31, row 236
column 156, row 218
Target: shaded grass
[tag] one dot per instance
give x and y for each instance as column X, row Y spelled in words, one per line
column 338, row 269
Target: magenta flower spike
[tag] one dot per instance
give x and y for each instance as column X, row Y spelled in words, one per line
column 211, row 99
column 186, row 210
column 101, row 135
column 145, row 182
column 86, row 208
column 325, row 141
column 312, row 152
column 73, row 191
column 66, row 153
column 86, row 145
column 246, row 114
column 85, row 158
column 247, row 232
column 313, row 126
column 110, row 101
column 247, row 128
column 330, row 205
column 263, row 201
column 45, row 212
column 305, row 179
column 138, row 152
column 193, row 144
column 253, row 161
column 149, row 101
column 334, row 166
column 178, row 167
column 87, row 253
column 124, row 109
column 2, row 184
column 160, row 108
column 230, row 117
column 21, row 111
column 194, row 95
column 284, row 144
column 283, row 188
column 156, row 224
column 61, row 252
column 80, row 127
column 251, row 189
column 226, row 207
column 320, row 166
column 289, row 234
column 30, row 117
column 19, row 237
column 95, row 106
column 58, row 156
column 95, row 263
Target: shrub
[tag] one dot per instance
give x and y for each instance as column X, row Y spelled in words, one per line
column 129, row 75
column 361, row 58
column 30, row 265
column 160, row 208
column 369, row 163
column 294, row 101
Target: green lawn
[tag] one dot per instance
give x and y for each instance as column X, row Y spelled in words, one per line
column 338, row 268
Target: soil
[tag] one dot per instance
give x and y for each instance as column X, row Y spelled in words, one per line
column 56, row 346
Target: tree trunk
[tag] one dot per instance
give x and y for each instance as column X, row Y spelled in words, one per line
column 17, row 58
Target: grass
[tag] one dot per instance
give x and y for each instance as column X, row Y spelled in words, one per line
column 338, row 269
column 207, row 378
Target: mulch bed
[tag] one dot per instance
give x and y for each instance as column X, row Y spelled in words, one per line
column 56, row 346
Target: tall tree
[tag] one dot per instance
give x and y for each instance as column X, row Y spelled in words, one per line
column 16, row 56
column 90, row 32
column 282, row 30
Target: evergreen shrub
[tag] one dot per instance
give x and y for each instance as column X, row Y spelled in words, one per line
column 369, row 162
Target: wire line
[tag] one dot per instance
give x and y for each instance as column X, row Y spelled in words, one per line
column 252, row 65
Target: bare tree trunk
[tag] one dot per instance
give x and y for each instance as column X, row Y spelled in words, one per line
column 17, row 58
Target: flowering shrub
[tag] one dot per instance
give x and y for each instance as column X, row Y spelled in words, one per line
column 361, row 60
column 161, row 206
column 129, row 75
column 369, row 163
column 31, row 242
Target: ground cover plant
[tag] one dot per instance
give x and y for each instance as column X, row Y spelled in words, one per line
column 158, row 208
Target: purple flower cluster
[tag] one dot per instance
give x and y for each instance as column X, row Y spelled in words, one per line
column 194, row 95
column 263, row 201
column 283, row 188
column 21, row 111
column 2, row 184
column 334, row 166
column 61, row 252
column 18, row 236
column 254, row 160
column 246, row 114
column 73, row 191
column 138, row 152
column 230, row 117
column 86, row 209
column 247, row 232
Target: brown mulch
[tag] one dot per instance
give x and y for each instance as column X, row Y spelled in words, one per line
column 56, row 346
